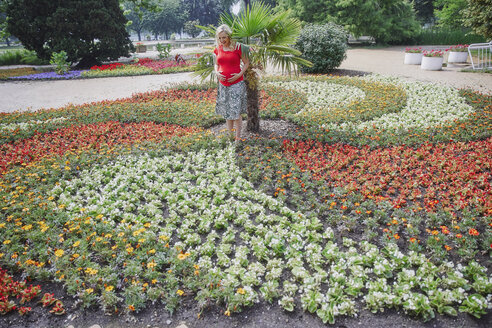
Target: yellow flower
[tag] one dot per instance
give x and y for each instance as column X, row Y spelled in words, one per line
column 59, row 252
column 151, row 265
column 180, row 292
column 227, row 313
column 77, row 243
column 241, row 291
column 91, row 271
column 109, row 288
column 6, row 242
column 2, row 225
column 89, row 290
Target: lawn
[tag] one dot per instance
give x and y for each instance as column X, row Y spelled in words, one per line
column 380, row 199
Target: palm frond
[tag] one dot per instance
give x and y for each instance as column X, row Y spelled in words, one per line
column 205, row 67
column 209, row 29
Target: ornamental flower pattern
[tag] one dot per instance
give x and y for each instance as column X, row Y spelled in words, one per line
column 124, row 207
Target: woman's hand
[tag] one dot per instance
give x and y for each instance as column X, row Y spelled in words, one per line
column 234, row 77
column 220, row 76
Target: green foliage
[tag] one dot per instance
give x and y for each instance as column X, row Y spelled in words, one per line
column 90, row 31
column 312, row 11
column 19, row 57
column 445, row 36
column 168, row 17
column 59, row 59
column 450, row 13
column 478, row 15
column 323, row 45
column 390, row 21
column 191, row 28
column 164, row 50
column 424, row 10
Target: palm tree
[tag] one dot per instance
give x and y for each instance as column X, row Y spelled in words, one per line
column 268, row 35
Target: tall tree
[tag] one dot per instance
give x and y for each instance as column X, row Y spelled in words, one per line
column 478, row 16
column 388, row 21
column 450, row 13
column 135, row 16
column 190, row 27
column 310, row 11
column 424, row 9
column 270, row 35
column 88, row 31
column 206, row 11
column 168, row 17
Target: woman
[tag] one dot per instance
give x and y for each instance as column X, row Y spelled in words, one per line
column 231, row 96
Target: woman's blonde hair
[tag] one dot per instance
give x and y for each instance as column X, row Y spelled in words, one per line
column 227, row 30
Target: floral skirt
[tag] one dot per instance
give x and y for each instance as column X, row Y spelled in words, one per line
column 231, row 101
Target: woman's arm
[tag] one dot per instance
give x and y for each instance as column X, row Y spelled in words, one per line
column 236, row 76
column 218, row 73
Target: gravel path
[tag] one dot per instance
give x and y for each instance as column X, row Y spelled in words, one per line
column 34, row 95
column 389, row 61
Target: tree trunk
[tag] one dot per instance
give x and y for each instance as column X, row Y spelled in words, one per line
column 253, row 107
column 139, row 36
column 253, row 95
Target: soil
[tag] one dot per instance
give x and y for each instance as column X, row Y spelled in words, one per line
column 262, row 315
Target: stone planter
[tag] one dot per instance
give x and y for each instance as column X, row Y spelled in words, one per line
column 141, row 48
column 431, row 63
column 457, row 56
column 412, row 58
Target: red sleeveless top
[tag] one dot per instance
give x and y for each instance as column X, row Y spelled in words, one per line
column 229, row 62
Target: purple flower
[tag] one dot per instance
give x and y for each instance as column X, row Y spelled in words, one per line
column 48, row 75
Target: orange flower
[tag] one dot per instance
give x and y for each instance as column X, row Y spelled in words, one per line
column 435, row 232
column 397, row 236
column 412, row 240
column 458, row 235
column 448, row 248
column 473, row 232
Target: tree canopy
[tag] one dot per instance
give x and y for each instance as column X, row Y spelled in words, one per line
column 388, row 21
column 89, row 31
column 478, row 16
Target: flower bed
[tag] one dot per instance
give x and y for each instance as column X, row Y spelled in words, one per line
column 144, row 66
column 49, row 76
column 125, row 208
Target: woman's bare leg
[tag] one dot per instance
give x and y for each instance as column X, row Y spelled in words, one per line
column 239, row 127
column 230, row 126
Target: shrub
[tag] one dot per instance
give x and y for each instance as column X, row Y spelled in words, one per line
column 18, row 57
column 324, row 45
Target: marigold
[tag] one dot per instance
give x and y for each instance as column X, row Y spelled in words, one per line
column 473, row 232
column 59, row 252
